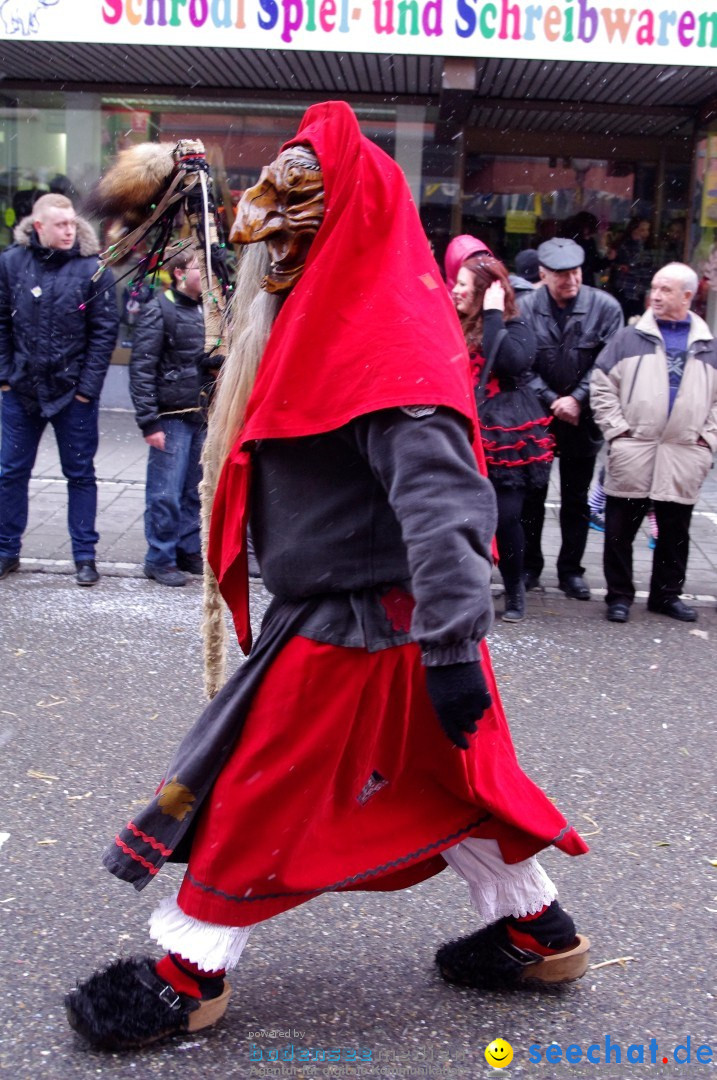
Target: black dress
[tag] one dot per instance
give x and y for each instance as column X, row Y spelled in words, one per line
column 514, row 426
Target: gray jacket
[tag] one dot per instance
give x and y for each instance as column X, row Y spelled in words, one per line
column 390, row 499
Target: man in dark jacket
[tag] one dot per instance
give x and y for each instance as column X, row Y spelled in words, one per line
column 527, row 273
column 165, row 380
column 571, row 323
column 58, row 327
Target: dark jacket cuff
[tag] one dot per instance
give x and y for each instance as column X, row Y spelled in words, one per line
column 460, row 652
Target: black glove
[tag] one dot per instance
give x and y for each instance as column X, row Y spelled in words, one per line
column 460, row 697
column 221, row 266
column 211, row 362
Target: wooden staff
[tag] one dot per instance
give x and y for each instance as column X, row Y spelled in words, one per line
column 191, row 159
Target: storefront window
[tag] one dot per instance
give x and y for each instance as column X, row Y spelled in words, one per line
column 64, row 141
column 516, row 202
column 703, row 233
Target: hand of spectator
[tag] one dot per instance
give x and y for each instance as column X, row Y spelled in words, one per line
column 460, row 697
column 494, row 297
column 567, row 409
column 82, row 398
column 157, row 439
column 211, row 362
column 5, row 386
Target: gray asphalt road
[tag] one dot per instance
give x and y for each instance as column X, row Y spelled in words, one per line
column 616, row 722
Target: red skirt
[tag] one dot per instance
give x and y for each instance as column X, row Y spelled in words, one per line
column 343, row 779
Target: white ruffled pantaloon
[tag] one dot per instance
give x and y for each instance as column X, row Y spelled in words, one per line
column 496, row 888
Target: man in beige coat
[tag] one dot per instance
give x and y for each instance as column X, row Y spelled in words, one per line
column 653, row 393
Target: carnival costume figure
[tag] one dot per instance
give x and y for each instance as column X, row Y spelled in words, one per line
column 363, row 744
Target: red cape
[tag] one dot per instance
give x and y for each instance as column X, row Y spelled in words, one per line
column 368, row 326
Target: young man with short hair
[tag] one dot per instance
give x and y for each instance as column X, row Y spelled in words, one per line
column 58, row 327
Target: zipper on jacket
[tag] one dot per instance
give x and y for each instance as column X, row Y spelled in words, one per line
column 634, row 378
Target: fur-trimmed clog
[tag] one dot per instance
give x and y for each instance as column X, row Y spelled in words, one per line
column 488, row 960
column 127, row 1006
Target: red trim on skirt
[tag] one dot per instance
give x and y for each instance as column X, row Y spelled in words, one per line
column 343, row 779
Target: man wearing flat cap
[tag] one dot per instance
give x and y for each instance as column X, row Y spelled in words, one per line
column 571, row 322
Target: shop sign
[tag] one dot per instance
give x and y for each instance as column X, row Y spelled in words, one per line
column 674, row 32
column 521, row 221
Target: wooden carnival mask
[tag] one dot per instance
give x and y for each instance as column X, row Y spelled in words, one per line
column 284, row 209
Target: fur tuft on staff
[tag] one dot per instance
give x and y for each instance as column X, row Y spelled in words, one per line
column 136, row 180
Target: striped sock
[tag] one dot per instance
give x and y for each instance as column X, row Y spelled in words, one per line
column 187, row 978
column 545, row 932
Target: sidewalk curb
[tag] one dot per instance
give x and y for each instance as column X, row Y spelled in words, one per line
column 553, row 593
column 66, row 568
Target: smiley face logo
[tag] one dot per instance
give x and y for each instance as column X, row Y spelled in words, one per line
column 499, row 1053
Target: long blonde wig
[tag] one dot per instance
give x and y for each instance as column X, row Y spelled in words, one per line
column 251, row 315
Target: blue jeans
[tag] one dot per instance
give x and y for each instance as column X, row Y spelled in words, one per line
column 77, row 435
column 171, row 516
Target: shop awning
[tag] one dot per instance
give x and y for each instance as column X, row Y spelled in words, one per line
column 517, row 95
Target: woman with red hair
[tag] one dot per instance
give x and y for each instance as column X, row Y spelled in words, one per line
column 514, row 428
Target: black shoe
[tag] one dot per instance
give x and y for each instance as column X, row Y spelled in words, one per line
column 488, row 960
column 514, row 603
column 674, row 609
column 86, row 572
column 618, row 612
column 193, row 564
column 8, row 565
column 165, row 575
column 127, row 1006
column 575, row 587
column 531, row 581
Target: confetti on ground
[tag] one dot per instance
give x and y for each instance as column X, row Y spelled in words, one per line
column 597, row 828
column 46, row 778
column 623, row 961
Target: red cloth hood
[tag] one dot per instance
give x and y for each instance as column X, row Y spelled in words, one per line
column 460, row 249
column 368, row 326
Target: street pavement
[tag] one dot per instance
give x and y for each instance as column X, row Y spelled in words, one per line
column 617, row 723
column 121, row 464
